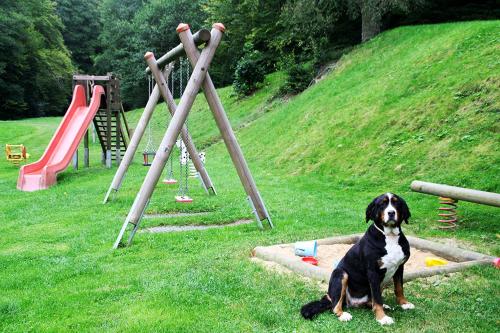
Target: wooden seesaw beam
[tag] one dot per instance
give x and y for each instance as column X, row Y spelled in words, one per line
column 457, row 193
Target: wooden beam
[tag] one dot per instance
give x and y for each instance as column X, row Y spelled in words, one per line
column 84, row 77
column 457, row 193
column 200, row 37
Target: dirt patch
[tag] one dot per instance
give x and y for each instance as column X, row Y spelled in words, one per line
column 180, row 228
column 173, row 215
column 330, row 255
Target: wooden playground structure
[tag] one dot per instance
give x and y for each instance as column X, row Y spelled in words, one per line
column 199, row 78
column 110, row 124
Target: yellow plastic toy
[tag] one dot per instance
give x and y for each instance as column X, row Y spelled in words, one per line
column 431, row 261
column 16, row 153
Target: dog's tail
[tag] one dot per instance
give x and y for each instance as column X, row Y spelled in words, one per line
column 310, row 310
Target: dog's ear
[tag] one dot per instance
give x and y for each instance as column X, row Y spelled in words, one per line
column 371, row 211
column 404, row 210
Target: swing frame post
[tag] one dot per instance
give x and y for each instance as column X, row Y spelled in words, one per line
column 134, row 142
column 174, row 128
column 230, row 140
column 186, row 138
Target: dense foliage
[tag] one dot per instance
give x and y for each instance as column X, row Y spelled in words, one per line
column 131, row 28
column 299, row 78
column 81, row 31
column 35, row 65
column 249, row 73
column 112, row 36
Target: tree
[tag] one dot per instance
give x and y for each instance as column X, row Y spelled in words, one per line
column 373, row 11
column 35, row 67
column 81, row 30
column 306, row 28
column 250, row 24
column 122, row 49
column 130, row 29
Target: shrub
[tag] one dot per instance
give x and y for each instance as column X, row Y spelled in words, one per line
column 248, row 74
column 299, row 78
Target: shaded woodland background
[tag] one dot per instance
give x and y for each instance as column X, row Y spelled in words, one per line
column 43, row 42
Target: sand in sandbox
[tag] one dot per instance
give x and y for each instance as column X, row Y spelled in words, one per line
column 330, row 254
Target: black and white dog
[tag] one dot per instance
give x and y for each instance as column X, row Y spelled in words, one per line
column 376, row 258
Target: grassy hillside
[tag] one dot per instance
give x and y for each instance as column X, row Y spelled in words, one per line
column 417, row 102
column 414, row 103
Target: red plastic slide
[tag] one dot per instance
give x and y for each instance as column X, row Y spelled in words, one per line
column 43, row 173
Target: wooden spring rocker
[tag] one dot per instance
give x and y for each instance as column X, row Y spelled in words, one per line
column 450, row 195
column 16, row 153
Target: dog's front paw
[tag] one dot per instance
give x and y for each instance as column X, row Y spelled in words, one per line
column 407, row 306
column 345, row 316
column 386, row 320
column 387, row 307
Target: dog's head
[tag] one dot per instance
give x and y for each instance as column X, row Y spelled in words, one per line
column 388, row 210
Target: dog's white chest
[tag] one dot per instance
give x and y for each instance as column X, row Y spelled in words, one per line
column 394, row 257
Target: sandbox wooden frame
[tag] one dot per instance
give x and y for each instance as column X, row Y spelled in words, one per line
column 464, row 258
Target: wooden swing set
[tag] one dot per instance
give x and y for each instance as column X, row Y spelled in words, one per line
column 199, row 78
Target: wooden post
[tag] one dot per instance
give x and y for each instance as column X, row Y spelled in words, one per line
column 230, row 140
column 174, row 128
column 122, row 112
column 134, row 142
column 86, row 161
column 186, row 138
column 75, row 160
column 108, row 126
column 118, row 139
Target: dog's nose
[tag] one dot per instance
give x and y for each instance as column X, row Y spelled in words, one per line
column 391, row 214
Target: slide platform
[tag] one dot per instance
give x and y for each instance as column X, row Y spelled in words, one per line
column 43, row 173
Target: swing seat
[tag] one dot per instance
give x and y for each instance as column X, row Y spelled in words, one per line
column 148, row 156
column 169, row 181
column 183, row 199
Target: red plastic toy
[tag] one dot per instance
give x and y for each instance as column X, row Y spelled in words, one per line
column 496, row 262
column 310, row 260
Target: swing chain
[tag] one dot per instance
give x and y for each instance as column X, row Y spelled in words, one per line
column 149, row 145
column 170, row 163
column 184, row 156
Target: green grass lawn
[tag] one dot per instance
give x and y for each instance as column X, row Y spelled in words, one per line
column 414, row 103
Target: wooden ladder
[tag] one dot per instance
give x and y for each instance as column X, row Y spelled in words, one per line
column 118, row 135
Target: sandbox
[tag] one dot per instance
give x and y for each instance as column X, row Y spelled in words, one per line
column 331, row 250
